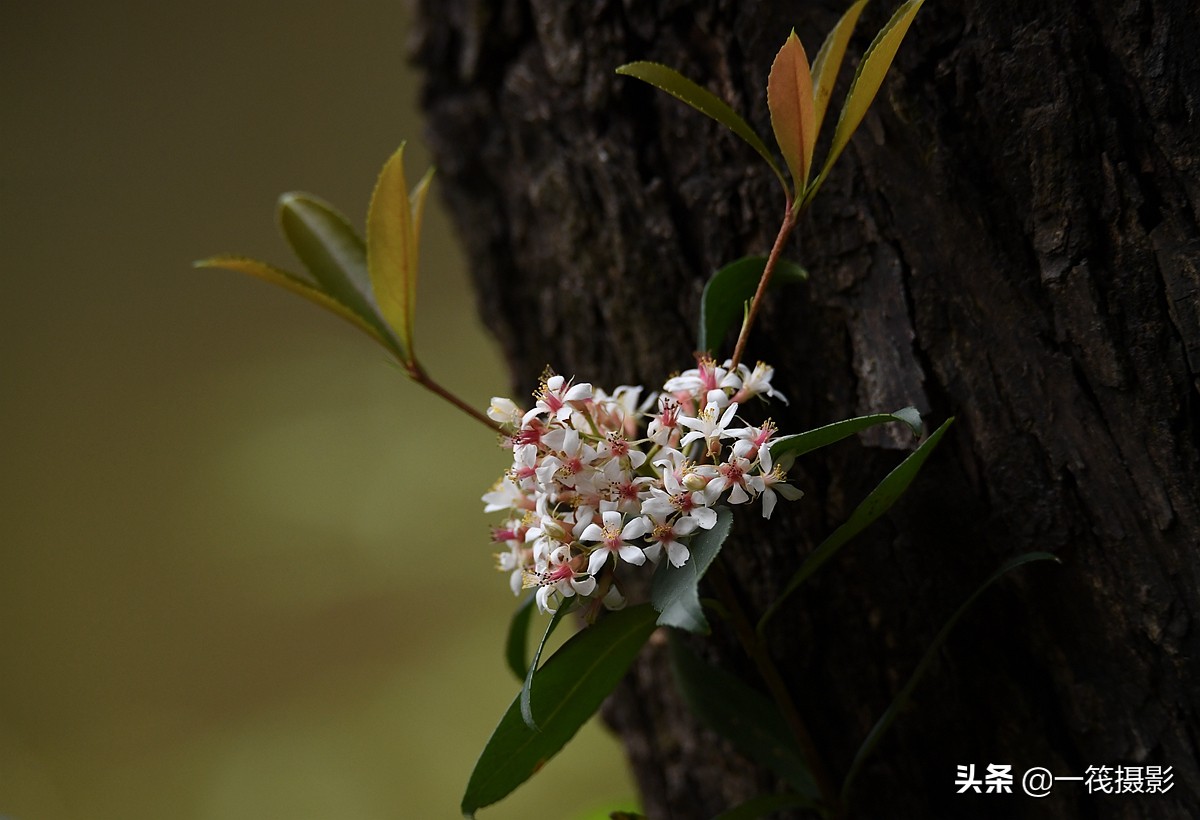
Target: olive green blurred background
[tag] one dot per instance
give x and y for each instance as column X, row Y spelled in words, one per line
column 244, row 571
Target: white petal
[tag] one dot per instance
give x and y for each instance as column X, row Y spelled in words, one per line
column 632, row 555
column 738, row 495
column 593, row 533
column 579, row 392
column 596, row 559
column 705, row 517
column 635, row 529
column 585, row 586
column 677, row 553
column 612, row 519
column 768, row 502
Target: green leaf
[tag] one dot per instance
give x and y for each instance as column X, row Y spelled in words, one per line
column 571, row 686
column 292, row 282
column 331, row 250
column 674, row 589
column 518, row 636
column 801, row 443
column 671, row 81
column 829, row 59
column 728, row 290
column 866, row 83
column 392, row 250
column 416, row 203
column 526, row 696
column 874, row 505
column 902, row 697
column 765, row 804
column 742, row 715
column 790, row 101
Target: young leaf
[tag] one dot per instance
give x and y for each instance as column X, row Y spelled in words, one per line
column 866, row 83
column 727, row 292
column 673, row 592
column 806, row 442
column 295, row 284
column 526, row 696
column 392, row 251
column 678, row 86
column 874, row 505
column 571, row 686
column 828, row 62
column 902, row 697
column 743, row 716
column 765, row 804
column 331, row 250
column 518, row 635
column 416, row 203
column 790, row 100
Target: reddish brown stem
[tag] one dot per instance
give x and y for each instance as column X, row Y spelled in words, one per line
column 785, row 230
column 422, row 378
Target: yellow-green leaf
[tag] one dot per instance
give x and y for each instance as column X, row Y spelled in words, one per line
column 392, row 251
column 329, row 247
column 790, row 99
column 828, row 61
column 866, row 83
column 416, row 204
column 680, row 87
column 295, row 284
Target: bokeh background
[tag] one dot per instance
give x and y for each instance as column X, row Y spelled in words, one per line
column 244, row 571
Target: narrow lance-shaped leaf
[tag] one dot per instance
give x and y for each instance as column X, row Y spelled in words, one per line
column 518, row 635
column 526, row 697
column 671, row 81
column 727, row 291
column 866, row 83
column 416, row 203
column 879, row 501
column 743, row 716
column 674, row 590
column 331, row 250
column 790, row 100
column 292, row 282
column 571, row 686
column 828, row 61
column 392, row 252
column 902, row 697
column 806, row 442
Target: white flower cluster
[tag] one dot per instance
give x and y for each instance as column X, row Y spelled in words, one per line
column 588, row 488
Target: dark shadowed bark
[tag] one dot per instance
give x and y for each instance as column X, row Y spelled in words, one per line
column 1010, row 239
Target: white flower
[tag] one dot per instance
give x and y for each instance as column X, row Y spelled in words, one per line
column 665, row 535
column 768, row 484
column 666, row 424
column 732, row 476
column 757, row 382
column 709, row 426
column 505, row 495
column 505, row 412
column 612, row 538
column 703, row 380
column 560, row 576
column 754, row 442
column 556, row 397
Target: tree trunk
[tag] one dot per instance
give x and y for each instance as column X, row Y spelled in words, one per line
column 1011, row 239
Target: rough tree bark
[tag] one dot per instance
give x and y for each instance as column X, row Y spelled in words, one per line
column 1011, row 239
